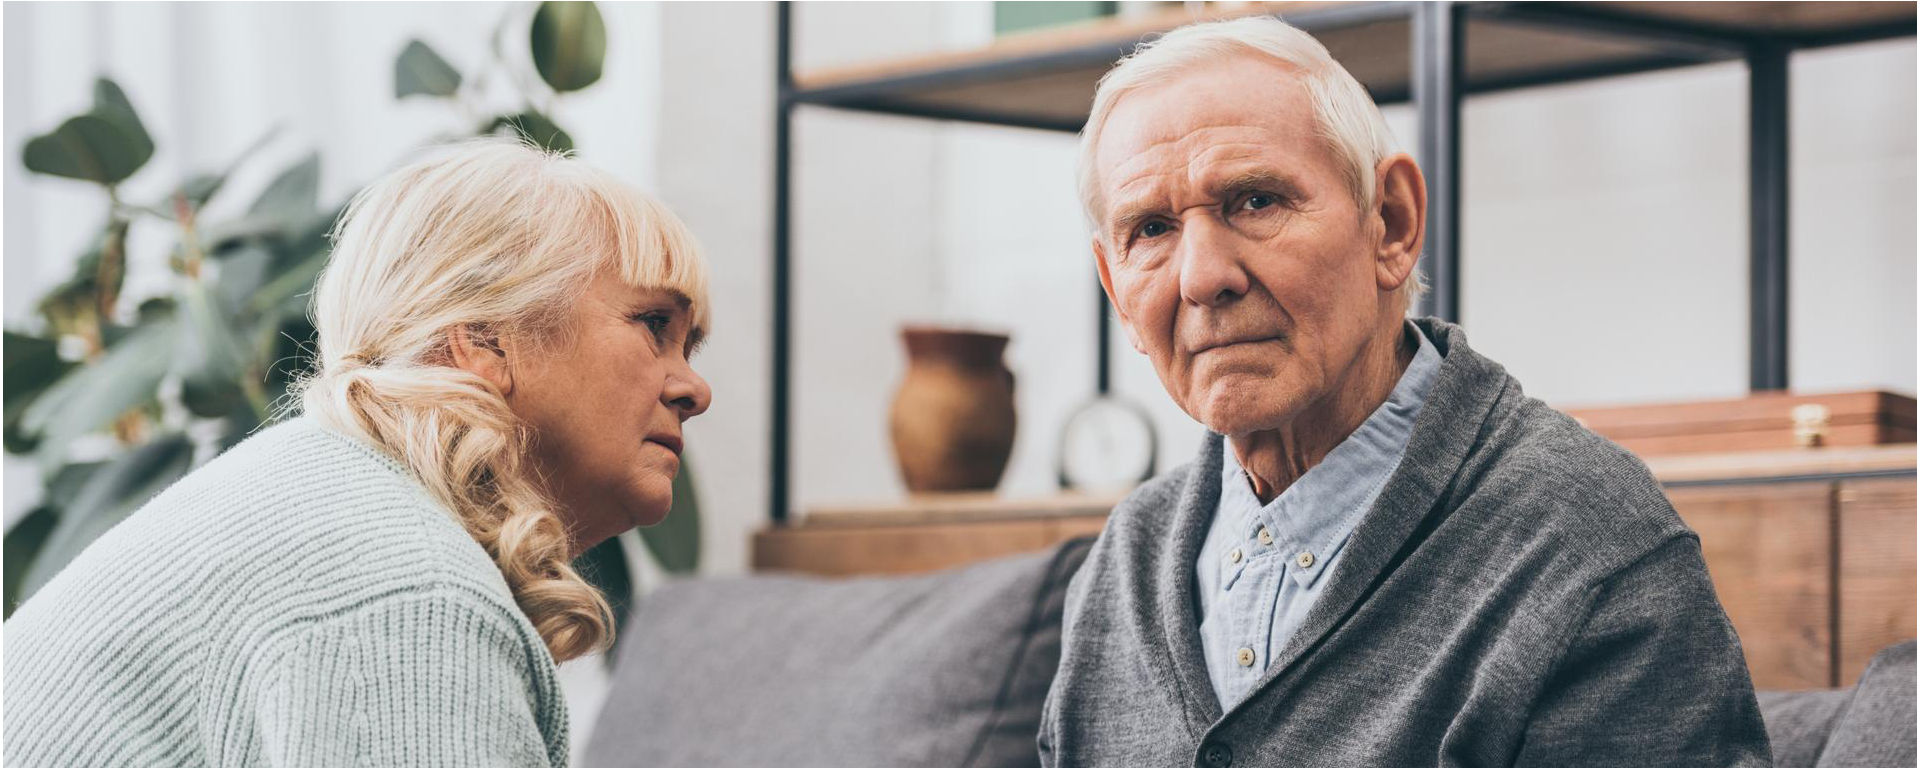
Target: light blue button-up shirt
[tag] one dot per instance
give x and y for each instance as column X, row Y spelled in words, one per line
column 1263, row 566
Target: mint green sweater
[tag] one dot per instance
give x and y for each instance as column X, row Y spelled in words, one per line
column 298, row 601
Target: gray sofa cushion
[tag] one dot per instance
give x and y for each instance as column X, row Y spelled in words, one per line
column 1867, row 726
column 1798, row 723
column 948, row 669
column 1877, row 728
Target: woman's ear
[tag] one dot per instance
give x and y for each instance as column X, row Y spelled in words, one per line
column 478, row 351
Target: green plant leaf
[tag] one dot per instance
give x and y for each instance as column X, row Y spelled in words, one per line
column 23, row 543
column 155, row 309
column 111, row 103
column 32, row 365
column 243, row 271
column 293, row 195
column 420, row 70
column 108, row 496
column 283, row 212
column 28, row 536
column 202, row 187
column 534, row 127
column 91, row 396
column 569, row 44
column 287, row 292
column 210, row 358
column 675, row 542
column 105, row 145
column 312, row 237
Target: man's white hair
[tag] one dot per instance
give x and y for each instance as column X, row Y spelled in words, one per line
column 1349, row 122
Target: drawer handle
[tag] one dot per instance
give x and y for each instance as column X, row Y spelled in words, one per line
column 1810, row 422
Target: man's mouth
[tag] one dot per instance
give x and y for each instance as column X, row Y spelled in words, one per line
column 670, row 442
column 1224, row 343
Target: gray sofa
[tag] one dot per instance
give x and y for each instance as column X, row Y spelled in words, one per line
column 950, row 669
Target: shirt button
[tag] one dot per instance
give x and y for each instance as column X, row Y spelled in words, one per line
column 1234, row 556
column 1244, row 656
column 1266, row 537
column 1305, row 559
column 1217, row 756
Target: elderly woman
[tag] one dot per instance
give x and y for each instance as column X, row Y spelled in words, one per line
column 383, row 579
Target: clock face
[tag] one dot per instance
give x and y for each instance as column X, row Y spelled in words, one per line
column 1108, row 446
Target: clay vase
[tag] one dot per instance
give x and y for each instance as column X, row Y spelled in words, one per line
column 952, row 420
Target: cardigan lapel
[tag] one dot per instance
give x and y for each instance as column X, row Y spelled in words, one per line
column 1176, row 594
column 1445, row 432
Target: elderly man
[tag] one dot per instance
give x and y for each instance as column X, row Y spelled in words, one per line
column 1384, row 554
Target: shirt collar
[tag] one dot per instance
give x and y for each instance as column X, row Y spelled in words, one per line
column 1311, row 520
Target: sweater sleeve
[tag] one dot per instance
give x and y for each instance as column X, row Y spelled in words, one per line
column 1654, row 677
column 438, row 678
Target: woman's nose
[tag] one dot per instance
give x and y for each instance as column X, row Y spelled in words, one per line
column 688, row 393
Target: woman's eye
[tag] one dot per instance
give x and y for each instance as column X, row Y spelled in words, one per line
column 655, row 322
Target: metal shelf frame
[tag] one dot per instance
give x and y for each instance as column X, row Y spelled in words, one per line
column 1438, row 86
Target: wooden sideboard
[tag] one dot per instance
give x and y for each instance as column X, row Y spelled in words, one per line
column 1811, row 550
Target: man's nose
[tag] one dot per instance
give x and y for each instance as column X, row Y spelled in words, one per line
column 1211, row 270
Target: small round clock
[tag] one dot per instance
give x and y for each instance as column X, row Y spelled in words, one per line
column 1108, row 444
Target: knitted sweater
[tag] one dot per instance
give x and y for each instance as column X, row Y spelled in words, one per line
column 298, row 601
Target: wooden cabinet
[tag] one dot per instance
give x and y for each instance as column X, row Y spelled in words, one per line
column 1771, row 554
column 1876, row 570
column 1816, row 576
column 1811, row 551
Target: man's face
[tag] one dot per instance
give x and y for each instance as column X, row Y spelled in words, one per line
column 1232, row 247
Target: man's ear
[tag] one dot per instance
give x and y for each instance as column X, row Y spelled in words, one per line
column 1106, row 284
column 1402, row 211
column 478, row 351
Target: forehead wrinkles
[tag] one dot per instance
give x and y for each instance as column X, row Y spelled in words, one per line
column 1177, row 170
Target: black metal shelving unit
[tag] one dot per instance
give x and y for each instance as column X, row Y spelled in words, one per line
column 1432, row 54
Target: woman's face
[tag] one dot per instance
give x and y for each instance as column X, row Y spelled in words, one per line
column 606, row 401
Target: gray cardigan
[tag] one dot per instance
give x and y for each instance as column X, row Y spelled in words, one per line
column 1521, row 593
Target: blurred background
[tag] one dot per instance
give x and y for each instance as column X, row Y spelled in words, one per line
column 1604, row 228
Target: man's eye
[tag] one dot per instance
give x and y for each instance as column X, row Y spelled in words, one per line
column 1257, row 201
column 1153, row 229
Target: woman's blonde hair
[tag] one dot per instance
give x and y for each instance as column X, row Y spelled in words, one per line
column 498, row 238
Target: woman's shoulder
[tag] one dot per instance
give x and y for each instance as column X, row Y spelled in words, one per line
column 307, row 521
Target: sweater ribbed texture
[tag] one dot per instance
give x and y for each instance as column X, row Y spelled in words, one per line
column 299, row 601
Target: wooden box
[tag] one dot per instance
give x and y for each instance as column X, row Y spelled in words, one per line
column 1758, row 422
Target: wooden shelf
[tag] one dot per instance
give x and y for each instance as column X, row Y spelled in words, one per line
column 1046, row 79
column 1745, row 467
column 1787, row 465
column 961, row 507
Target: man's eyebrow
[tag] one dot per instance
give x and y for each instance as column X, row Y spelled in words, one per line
column 1260, row 180
column 1131, row 215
